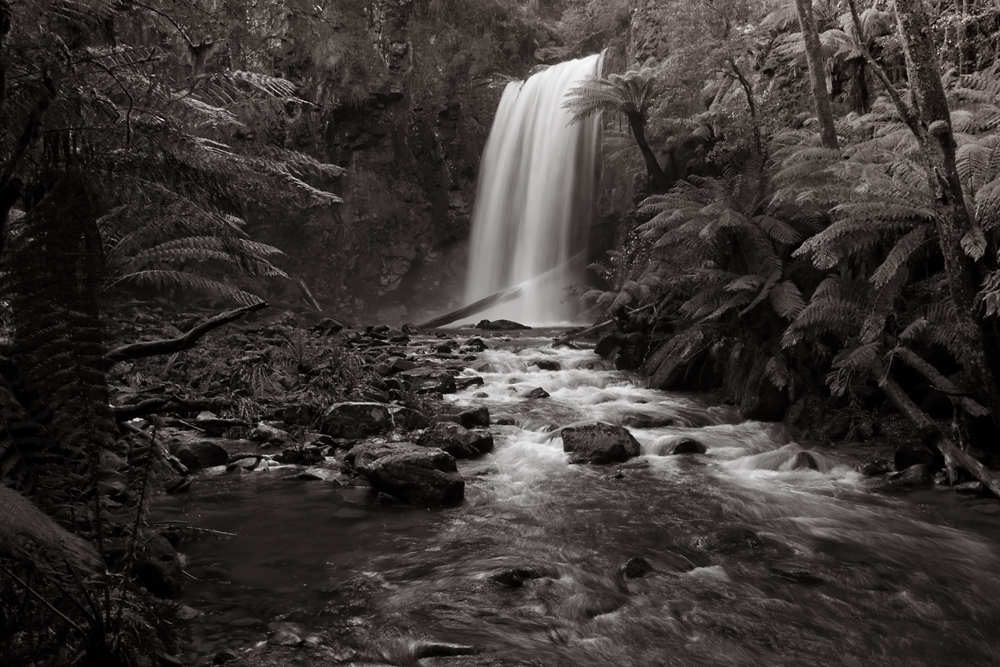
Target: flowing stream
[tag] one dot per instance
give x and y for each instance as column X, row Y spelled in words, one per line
column 760, row 555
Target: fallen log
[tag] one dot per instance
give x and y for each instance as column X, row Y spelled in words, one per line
column 473, row 308
column 187, row 341
column 934, row 437
column 565, row 340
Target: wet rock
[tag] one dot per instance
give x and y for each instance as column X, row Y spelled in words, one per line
column 476, row 418
column 918, row 475
column 505, row 420
column 158, row 567
column 186, row 613
column 463, row 383
column 795, row 575
column 645, row 420
column 971, row 488
column 302, row 456
column 457, row 440
column 428, row 478
column 356, row 420
column 429, row 380
column 875, row 468
column 515, row 577
column 685, row 446
column 729, row 540
column 535, row 393
column 397, row 365
column 547, row 364
column 598, row 442
column 626, row 361
column 609, row 345
column 266, row 434
column 803, row 461
column 911, row 454
column 317, row 475
column 476, row 345
column 214, row 425
column 408, row 418
column 198, row 454
column 319, row 440
column 362, row 457
column 635, row 568
column 285, row 638
column 501, row 325
column 376, row 395
column 431, row 649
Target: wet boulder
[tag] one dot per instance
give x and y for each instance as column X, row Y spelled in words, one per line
column 158, row 567
column 911, row 454
column 429, row 380
column 501, row 325
column 421, row 476
column 408, row 418
column 535, row 393
column 916, row 476
column 599, row 442
column 635, row 568
column 609, row 345
column 197, row 454
column 457, row 440
column 355, row 420
column 685, row 446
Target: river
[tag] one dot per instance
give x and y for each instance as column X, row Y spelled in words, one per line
column 754, row 561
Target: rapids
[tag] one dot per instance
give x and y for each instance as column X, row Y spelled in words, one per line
column 755, row 560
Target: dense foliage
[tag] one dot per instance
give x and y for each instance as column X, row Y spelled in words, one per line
column 848, row 261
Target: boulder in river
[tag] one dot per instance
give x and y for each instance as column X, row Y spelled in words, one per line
column 429, row 380
column 685, row 446
column 476, row 418
column 535, row 393
column 501, row 325
column 416, row 475
column 158, row 567
column 599, row 442
column 356, row 420
column 911, row 454
column 197, row 454
column 457, row 440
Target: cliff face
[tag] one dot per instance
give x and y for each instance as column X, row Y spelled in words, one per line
column 405, row 94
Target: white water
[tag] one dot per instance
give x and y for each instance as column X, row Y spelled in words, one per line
column 535, row 197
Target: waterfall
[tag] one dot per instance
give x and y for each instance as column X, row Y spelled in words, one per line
column 535, row 197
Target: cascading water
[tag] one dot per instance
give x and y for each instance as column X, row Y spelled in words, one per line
column 535, row 197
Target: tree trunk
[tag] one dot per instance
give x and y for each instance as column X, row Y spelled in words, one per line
column 937, row 144
column 657, row 181
column 817, row 73
column 933, row 436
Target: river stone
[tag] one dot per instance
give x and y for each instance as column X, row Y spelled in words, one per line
column 911, row 454
column 361, row 457
column 354, row 420
column 429, row 380
column 599, row 442
column 608, row 345
column 198, row 454
column 158, row 567
column 408, row 418
column 686, row 446
column 457, row 440
column 269, row 435
column 501, row 325
column 635, row 568
column 428, row 477
column 535, row 393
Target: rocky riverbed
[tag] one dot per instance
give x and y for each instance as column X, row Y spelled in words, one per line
column 486, row 499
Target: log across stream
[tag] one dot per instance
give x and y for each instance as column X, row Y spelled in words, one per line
column 749, row 554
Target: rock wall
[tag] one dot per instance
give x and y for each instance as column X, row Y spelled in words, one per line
column 405, row 94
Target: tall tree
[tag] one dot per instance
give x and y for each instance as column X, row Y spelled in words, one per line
column 817, row 74
column 631, row 94
column 958, row 235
